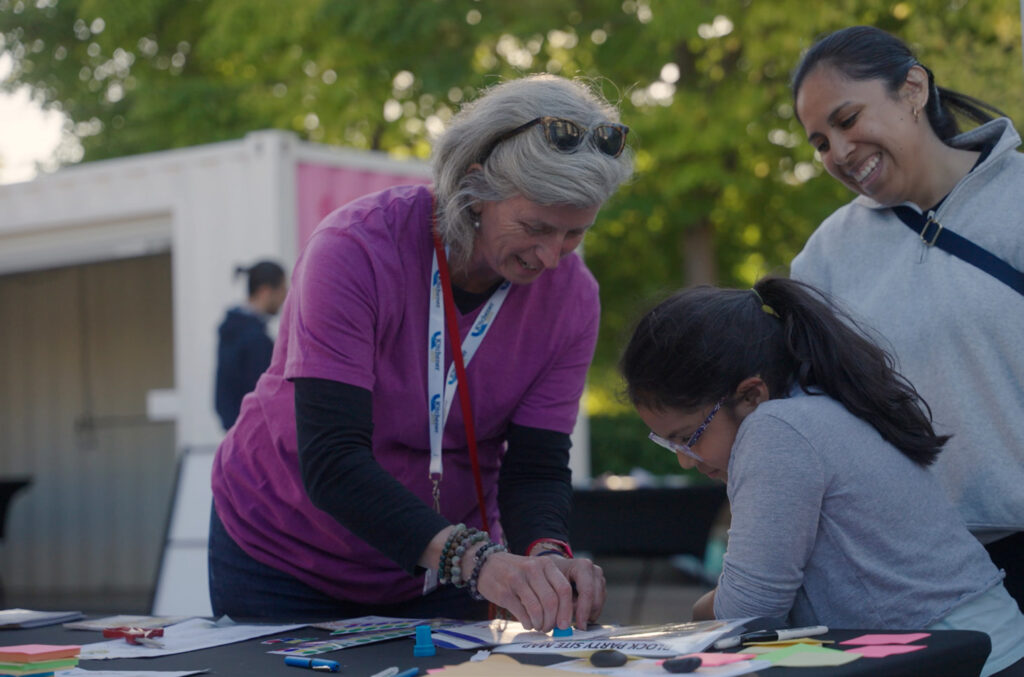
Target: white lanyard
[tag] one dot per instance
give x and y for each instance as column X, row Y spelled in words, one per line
column 441, row 390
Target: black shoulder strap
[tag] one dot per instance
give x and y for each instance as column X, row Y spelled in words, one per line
column 933, row 234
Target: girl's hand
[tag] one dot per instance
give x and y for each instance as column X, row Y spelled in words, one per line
column 538, row 591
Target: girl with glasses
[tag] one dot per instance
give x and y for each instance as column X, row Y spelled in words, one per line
column 837, row 519
column 366, row 473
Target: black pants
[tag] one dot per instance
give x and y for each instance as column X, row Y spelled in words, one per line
column 246, row 589
column 1008, row 554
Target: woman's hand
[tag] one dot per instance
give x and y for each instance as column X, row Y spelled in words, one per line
column 544, row 592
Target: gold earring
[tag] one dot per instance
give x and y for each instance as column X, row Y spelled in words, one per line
column 917, row 114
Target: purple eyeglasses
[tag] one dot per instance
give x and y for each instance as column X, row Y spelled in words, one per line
column 687, row 449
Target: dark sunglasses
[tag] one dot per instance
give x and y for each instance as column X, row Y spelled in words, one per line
column 565, row 136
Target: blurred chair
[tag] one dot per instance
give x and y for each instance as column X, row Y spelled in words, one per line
column 645, row 523
column 8, row 488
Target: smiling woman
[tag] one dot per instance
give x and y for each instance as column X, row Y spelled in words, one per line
column 886, row 130
column 429, row 365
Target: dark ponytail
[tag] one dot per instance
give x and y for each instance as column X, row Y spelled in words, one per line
column 264, row 273
column 869, row 53
column 697, row 346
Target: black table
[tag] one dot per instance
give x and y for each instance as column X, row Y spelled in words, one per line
column 950, row 653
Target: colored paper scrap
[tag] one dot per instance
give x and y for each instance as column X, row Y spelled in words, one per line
column 901, row 638
column 710, row 660
column 24, row 653
column 883, row 650
column 782, row 643
column 39, row 666
column 494, row 666
column 350, row 626
column 807, row 656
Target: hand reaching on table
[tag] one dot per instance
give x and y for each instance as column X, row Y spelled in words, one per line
column 544, row 592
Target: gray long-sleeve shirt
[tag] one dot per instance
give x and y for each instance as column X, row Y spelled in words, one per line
column 833, row 525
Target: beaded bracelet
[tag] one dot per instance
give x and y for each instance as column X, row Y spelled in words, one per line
column 481, row 556
column 459, row 536
column 455, row 572
column 447, row 551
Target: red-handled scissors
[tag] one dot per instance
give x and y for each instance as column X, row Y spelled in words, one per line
column 132, row 635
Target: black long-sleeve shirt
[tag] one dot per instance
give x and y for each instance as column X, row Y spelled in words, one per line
column 342, row 477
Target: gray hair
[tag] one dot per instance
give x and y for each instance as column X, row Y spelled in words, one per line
column 524, row 165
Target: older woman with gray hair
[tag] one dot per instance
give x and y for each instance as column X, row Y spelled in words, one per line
column 406, row 453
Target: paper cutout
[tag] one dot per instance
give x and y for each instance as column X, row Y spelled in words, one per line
column 791, row 642
column 883, row 650
column 23, row 653
column 807, row 656
column 901, row 638
column 710, row 660
column 494, row 666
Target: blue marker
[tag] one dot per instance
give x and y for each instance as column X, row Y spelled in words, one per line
column 318, row 664
column 561, row 632
column 411, row 672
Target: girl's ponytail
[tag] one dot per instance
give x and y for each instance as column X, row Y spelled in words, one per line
column 697, row 346
column 834, row 356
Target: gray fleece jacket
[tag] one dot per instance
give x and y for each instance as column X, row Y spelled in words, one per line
column 956, row 332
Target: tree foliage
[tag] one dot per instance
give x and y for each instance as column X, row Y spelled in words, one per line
column 726, row 188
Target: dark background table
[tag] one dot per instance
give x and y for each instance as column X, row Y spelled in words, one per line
column 949, row 654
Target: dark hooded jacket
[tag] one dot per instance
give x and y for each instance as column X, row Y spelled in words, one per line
column 243, row 354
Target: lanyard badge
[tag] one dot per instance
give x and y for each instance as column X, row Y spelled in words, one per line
column 441, row 387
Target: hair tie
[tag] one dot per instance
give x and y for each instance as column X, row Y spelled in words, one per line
column 764, row 306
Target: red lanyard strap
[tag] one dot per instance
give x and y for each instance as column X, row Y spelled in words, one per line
column 460, row 372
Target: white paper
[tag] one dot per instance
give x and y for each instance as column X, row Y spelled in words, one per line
column 192, row 635
column 570, row 646
column 79, row 672
column 126, row 621
column 493, row 633
column 651, row 641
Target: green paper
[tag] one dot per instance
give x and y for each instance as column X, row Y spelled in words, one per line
column 808, row 656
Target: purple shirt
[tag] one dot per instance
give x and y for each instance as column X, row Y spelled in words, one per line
column 357, row 313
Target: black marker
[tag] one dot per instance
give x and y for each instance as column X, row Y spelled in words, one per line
column 770, row 636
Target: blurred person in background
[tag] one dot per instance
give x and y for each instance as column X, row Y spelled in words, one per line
column 244, row 348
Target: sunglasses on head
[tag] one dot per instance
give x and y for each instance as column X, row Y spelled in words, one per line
column 565, row 136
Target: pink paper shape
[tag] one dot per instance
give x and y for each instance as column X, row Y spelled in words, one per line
column 883, row 650
column 902, row 638
column 710, row 660
column 20, row 653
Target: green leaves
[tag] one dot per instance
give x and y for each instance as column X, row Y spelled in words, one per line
column 726, row 189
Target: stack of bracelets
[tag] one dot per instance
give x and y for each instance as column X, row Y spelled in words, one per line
column 451, row 568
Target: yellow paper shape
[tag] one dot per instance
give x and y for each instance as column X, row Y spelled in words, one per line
column 495, row 665
column 792, row 642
